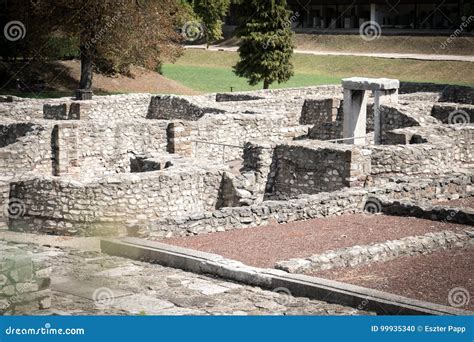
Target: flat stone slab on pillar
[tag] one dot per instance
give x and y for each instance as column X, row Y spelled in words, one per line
column 365, row 83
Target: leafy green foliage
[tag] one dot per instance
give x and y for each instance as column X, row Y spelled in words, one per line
column 266, row 42
column 211, row 13
column 111, row 35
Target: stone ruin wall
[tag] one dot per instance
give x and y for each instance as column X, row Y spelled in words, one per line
column 66, row 207
column 94, row 149
column 25, row 148
column 302, row 170
column 24, row 281
column 95, row 144
column 309, row 206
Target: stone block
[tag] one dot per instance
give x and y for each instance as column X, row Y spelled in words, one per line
column 365, row 83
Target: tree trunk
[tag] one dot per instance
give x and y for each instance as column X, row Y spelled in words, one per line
column 266, row 84
column 86, row 72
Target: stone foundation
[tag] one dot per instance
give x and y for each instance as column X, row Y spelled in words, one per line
column 378, row 252
column 24, row 280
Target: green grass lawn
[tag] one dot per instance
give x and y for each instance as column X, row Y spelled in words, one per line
column 211, row 71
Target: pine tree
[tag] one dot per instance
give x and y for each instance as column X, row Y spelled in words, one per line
column 266, row 42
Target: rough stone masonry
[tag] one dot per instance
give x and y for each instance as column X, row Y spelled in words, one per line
column 164, row 165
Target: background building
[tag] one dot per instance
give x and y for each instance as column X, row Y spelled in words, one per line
column 390, row 14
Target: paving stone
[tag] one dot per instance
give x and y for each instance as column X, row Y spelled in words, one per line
column 140, row 304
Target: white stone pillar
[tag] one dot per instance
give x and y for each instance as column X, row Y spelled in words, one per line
column 382, row 97
column 355, row 116
column 373, row 13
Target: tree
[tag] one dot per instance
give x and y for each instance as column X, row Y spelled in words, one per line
column 111, row 34
column 211, row 13
column 266, row 42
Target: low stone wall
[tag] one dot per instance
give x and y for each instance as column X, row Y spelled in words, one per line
column 170, row 107
column 26, row 148
column 204, row 138
column 22, row 110
column 449, row 93
column 378, row 252
column 332, row 129
column 319, row 111
column 93, row 149
column 66, row 207
column 24, row 281
column 424, row 158
column 451, row 113
column 229, row 218
column 303, row 208
column 4, row 203
column 314, row 91
column 423, row 210
column 236, row 97
column 314, row 168
column 11, row 132
column 100, row 108
column 63, row 111
column 394, row 118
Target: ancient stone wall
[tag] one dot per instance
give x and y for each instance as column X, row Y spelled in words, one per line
column 61, row 206
column 170, row 107
column 378, row 252
column 93, row 149
column 306, row 207
column 452, row 113
column 433, row 156
column 311, row 169
column 449, row 93
column 317, row 112
column 100, row 108
column 24, row 281
column 331, row 130
column 207, row 136
column 26, row 148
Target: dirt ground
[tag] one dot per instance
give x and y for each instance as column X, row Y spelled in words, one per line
column 264, row 246
column 428, row 277
column 63, row 76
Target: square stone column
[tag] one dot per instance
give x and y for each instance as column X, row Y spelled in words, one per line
column 355, row 116
column 355, row 102
column 382, row 97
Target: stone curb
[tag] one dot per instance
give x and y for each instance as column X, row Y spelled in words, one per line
column 299, row 285
column 376, row 252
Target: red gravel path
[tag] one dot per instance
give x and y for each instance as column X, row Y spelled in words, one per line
column 265, row 246
column 467, row 202
column 426, row 277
